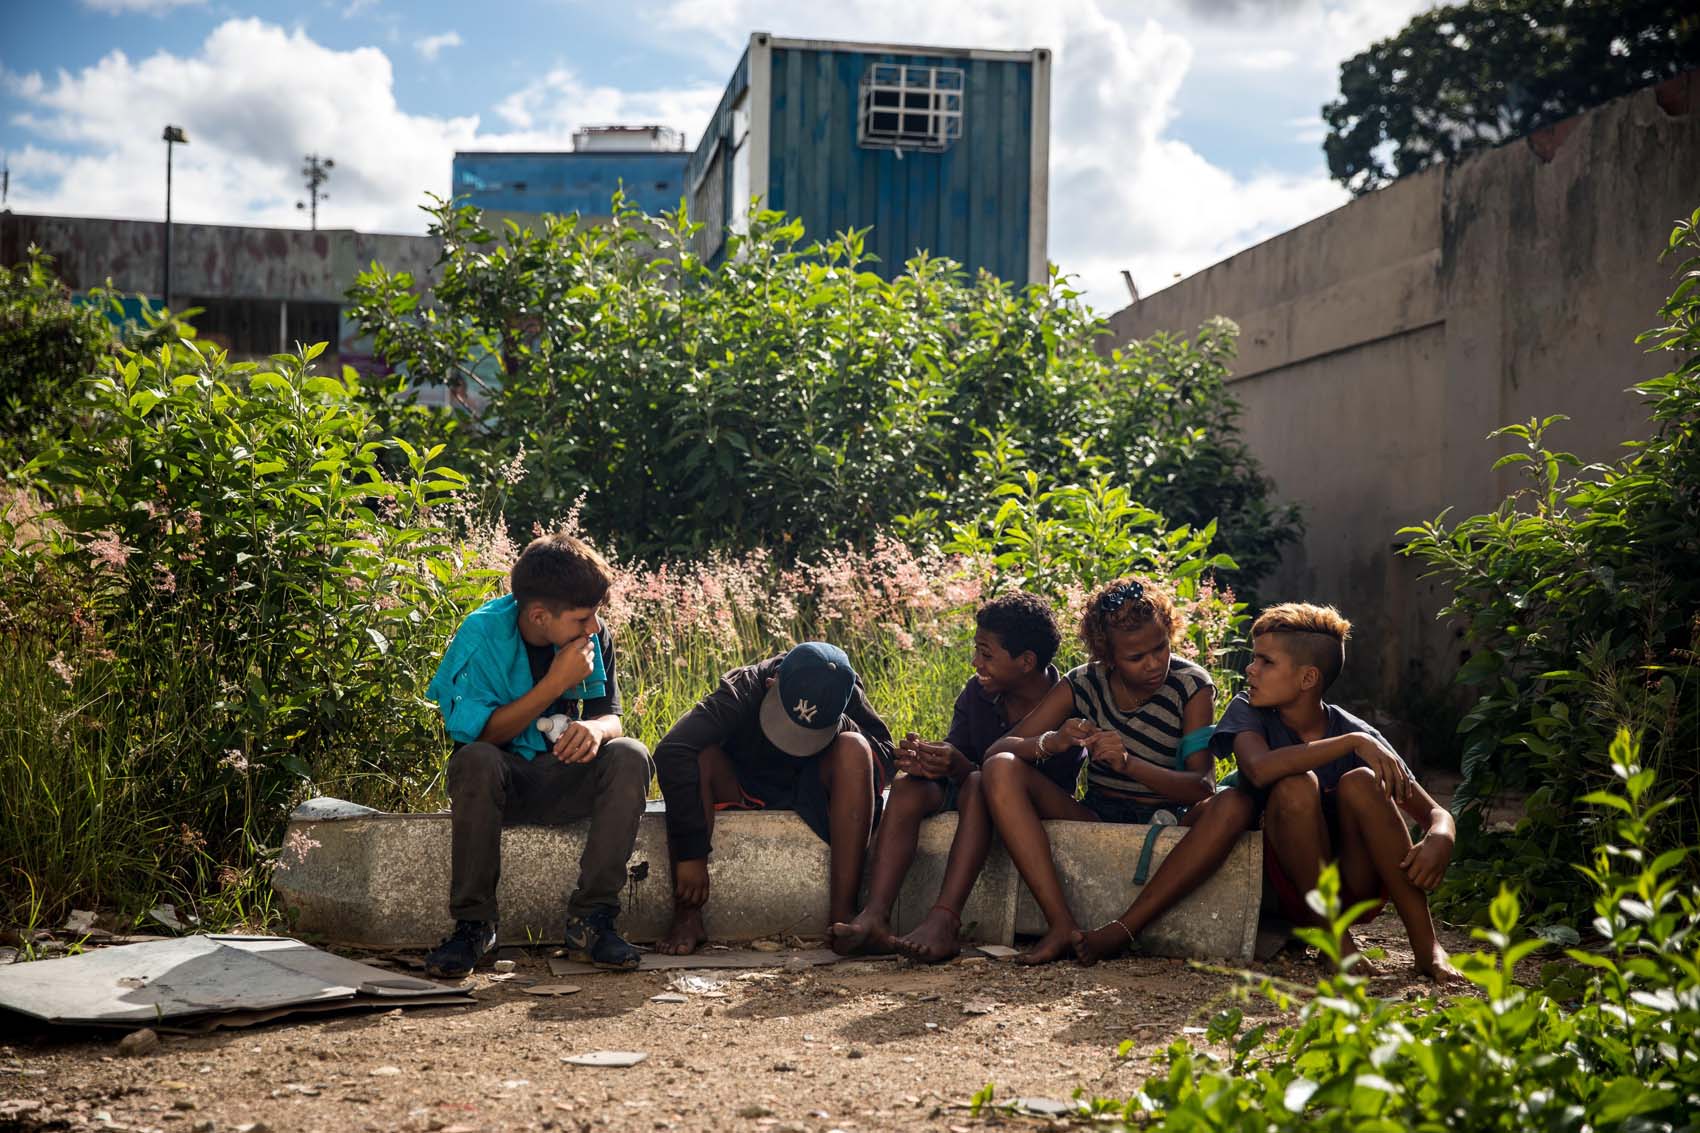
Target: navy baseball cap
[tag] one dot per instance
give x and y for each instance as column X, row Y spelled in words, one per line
column 803, row 710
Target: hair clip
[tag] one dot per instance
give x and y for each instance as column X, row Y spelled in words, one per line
column 1115, row 599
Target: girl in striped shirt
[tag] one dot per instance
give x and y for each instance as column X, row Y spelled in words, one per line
column 1144, row 717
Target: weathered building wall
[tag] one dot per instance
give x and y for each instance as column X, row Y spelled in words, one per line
column 1383, row 342
column 265, row 287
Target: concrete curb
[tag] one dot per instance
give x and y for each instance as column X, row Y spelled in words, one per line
column 382, row 880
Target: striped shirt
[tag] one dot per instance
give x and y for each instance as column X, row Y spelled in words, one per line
column 1151, row 732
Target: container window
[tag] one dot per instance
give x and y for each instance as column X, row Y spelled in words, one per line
column 905, row 107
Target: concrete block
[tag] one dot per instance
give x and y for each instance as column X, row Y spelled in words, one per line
column 382, row 880
column 1096, row 863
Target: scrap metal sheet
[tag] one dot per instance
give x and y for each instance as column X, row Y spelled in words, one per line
column 196, row 976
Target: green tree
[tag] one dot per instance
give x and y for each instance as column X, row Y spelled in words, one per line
column 789, row 398
column 1466, row 77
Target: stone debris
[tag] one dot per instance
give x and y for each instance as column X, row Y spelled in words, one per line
column 138, row 1044
column 619, row 1059
column 553, row 989
column 979, row 1007
column 669, row 997
column 503, row 967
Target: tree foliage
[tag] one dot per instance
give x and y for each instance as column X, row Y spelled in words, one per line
column 1465, row 77
column 788, row 397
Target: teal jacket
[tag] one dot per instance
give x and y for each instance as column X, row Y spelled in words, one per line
column 486, row 666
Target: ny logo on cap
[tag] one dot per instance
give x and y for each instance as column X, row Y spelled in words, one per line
column 805, row 711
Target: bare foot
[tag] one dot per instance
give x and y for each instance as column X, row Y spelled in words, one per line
column 1438, row 967
column 933, row 941
column 1105, row 942
column 1351, row 956
column 1054, row 945
column 866, row 934
column 686, row 934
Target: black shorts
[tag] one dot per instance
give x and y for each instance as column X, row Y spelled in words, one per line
column 1119, row 808
column 788, row 784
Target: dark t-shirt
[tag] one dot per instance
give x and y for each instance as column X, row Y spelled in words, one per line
column 1241, row 716
column 979, row 721
column 730, row 718
column 608, row 704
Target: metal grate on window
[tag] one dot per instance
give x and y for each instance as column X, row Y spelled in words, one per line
column 906, row 107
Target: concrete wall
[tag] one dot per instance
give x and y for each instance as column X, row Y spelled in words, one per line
column 1382, row 342
column 211, row 259
column 270, row 282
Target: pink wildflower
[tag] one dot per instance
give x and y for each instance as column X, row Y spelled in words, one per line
column 62, row 668
column 295, row 849
column 235, row 760
column 164, row 581
column 108, row 551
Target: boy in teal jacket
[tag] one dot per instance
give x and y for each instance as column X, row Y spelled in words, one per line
column 539, row 652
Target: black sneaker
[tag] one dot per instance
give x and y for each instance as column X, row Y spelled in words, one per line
column 591, row 939
column 456, row 956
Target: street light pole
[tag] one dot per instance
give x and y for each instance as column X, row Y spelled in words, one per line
column 173, row 135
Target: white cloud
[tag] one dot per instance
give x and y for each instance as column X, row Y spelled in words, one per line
column 432, row 45
column 151, row 7
column 254, row 98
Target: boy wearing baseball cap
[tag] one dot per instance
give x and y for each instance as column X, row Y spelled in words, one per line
column 793, row 732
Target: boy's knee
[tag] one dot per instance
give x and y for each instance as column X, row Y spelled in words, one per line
column 625, row 762
column 851, row 748
column 912, row 796
column 999, row 772
column 970, row 787
column 1233, row 807
column 1359, row 788
column 1295, row 794
column 474, row 767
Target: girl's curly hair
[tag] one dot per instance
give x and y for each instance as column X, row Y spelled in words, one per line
column 1124, row 604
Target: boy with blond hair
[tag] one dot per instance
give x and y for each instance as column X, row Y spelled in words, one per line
column 1331, row 788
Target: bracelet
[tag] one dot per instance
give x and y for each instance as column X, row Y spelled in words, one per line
column 1121, row 924
column 1045, row 752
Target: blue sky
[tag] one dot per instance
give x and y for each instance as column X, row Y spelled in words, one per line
column 1183, row 130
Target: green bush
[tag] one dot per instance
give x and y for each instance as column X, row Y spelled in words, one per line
column 223, row 601
column 1607, row 1044
column 788, row 398
column 1581, row 606
column 48, row 346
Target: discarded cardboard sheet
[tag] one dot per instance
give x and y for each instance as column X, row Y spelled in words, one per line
column 190, row 980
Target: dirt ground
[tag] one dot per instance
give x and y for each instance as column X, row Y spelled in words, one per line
column 857, row 1046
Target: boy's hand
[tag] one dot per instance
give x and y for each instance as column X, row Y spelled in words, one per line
column 578, row 744
column 1426, row 864
column 690, row 883
column 572, row 663
column 1395, row 777
column 929, row 760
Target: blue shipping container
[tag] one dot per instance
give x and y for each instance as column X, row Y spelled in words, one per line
column 941, row 150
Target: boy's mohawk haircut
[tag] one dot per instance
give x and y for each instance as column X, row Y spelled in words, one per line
column 1316, row 635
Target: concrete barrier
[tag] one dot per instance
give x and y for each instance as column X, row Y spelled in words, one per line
column 382, row 880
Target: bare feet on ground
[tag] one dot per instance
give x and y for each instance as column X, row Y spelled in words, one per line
column 1438, row 967
column 865, row 934
column 686, row 935
column 1105, row 942
column 1054, row 945
column 1350, row 953
column 934, row 940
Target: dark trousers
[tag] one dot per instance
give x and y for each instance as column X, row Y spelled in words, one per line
column 490, row 788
